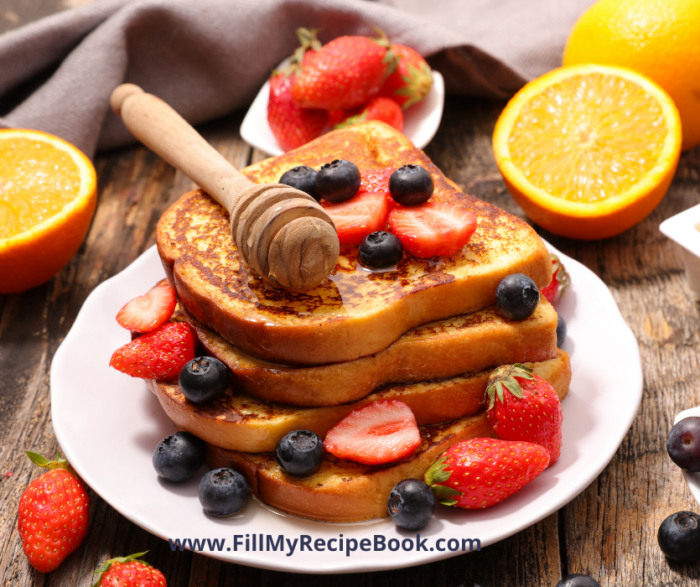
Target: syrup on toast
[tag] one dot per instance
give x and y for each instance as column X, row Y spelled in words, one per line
column 355, row 313
column 343, row 491
column 462, row 344
column 240, row 422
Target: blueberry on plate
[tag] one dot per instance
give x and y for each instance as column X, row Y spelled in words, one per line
column 517, row 296
column 223, row 492
column 337, row 181
column 578, row 581
column 302, row 178
column 300, row 453
column 679, row 536
column 179, row 456
column 411, row 185
column 380, row 249
column 683, row 444
column 203, row 379
column 411, row 504
column 561, row 331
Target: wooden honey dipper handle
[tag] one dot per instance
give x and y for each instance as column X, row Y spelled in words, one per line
column 282, row 233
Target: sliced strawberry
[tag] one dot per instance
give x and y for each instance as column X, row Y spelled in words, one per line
column 359, row 216
column 381, row 432
column 432, row 229
column 160, row 354
column 149, row 311
column 376, row 179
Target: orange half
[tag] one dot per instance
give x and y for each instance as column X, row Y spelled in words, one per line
column 588, row 151
column 48, row 192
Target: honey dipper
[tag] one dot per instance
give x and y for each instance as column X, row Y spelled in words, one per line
column 281, row 232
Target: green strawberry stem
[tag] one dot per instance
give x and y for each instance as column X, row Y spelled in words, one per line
column 58, row 463
column 436, row 474
column 390, row 58
column 504, row 377
column 118, row 560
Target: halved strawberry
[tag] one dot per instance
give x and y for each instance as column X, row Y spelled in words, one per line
column 149, row 311
column 359, row 216
column 376, row 179
column 432, row 229
column 560, row 279
column 160, row 354
column 378, row 433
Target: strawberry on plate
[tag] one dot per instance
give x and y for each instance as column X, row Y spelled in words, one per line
column 382, row 109
column 482, row 472
column 411, row 81
column 53, row 514
column 522, row 406
column 160, row 354
column 560, row 281
column 359, row 216
column 128, row 571
column 345, row 73
column 378, row 433
column 432, row 229
column 149, row 311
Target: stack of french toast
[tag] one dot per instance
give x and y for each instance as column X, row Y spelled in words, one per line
column 426, row 333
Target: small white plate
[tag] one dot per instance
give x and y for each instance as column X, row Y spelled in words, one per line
column 692, row 479
column 421, row 120
column 108, row 425
column 684, row 230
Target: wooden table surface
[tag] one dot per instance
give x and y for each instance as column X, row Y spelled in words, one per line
column 609, row 531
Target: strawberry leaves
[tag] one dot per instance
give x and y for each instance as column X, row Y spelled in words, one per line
column 505, row 378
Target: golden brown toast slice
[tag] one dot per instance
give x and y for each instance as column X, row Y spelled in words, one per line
column 463, row 344
column 343, row 491
column 355, row 313
column 240, row 422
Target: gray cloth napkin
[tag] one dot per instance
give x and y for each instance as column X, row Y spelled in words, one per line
column 209, row 57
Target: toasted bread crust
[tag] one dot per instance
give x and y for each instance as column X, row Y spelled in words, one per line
column 343, row 491
column 240, row 422
column 355, row 313
column 463, row 344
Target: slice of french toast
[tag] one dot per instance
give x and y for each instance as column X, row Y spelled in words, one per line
column 240, row 422
column 450, row 347
column 343, row 491
column 355, row 313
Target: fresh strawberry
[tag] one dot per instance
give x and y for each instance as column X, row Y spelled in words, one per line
column 382, row 109
column 522, row 406
column 376, row 179
column 378, row 433
column 292, row 125
column 560, row 280
column 345, row 73
column 53, row 514
column 359, row 216
column 149, row 311
column 128, row 571
column 160, row 354
column 432, row 229
column 482, row 472
column 411, row 81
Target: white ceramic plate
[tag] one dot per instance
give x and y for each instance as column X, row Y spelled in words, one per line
column 692, row 479
column 421, row 120
column 108, row 425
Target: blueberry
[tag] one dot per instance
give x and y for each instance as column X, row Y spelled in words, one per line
column 411, row 185
column 300, row 453
column 179, row 456
column 338, row 181
column 578, row 581
column 411, row 504
column 679, row 537
column 517, row 296
column 203, row 379
column 223, row 492
column 561, row 331
column 302, row 178
column 683, row 444
column 381, row 249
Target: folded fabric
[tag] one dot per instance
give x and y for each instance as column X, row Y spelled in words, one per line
column 209, row 57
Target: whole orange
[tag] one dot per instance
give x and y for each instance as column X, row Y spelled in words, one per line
column 48, row 192
column 658, row 38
